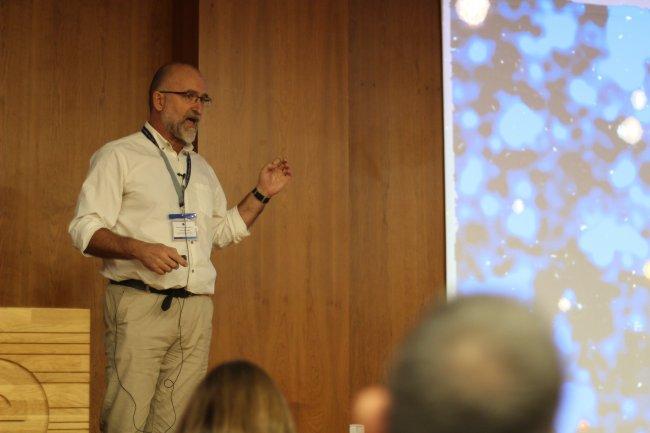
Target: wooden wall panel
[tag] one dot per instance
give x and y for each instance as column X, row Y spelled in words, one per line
column 361, row 231
column 278, row 72
column 396, row 176
column 185, row 31
column 74, row 74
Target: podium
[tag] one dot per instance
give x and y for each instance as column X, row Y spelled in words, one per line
column 44, row 370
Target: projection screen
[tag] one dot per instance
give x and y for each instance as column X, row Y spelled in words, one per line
column 548, row 184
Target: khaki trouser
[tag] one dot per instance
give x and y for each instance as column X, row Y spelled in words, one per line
column 155, row 358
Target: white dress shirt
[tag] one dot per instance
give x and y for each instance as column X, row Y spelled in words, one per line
column 129, row 191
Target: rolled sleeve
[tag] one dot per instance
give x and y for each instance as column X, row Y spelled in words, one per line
column 82, row 230
column 230, row 229
column 240, row 231
column 100, row 199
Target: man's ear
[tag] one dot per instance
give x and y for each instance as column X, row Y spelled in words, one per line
column 371, row 408
column 158, row 101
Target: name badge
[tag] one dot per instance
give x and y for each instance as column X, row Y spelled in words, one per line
column 184, row 226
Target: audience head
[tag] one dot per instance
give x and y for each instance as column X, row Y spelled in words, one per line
column 237, row 397
column 479, row 364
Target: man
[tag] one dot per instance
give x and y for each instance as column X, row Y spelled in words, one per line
column 477, row 365
column 152, row 208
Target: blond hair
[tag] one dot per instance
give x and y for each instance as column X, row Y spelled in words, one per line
column 237, row 397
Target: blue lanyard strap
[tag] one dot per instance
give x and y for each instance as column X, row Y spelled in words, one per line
column 180, row 189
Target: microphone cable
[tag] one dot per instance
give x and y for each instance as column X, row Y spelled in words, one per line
column 168, row 382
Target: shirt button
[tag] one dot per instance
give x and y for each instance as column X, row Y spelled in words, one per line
column 192, row 242
column 192, row 270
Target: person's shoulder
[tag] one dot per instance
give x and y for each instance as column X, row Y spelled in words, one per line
column 123, row 147
column 132, row 142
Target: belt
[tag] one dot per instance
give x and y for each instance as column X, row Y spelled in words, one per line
column 168, row 293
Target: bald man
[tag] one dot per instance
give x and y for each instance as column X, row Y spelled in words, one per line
column 479, row 364
column 153, row 209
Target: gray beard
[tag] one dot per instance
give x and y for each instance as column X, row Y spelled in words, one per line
column 186, row 135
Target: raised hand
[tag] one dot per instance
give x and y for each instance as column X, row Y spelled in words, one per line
column 273, row 177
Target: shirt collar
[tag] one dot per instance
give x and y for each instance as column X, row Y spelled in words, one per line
column 162, row 141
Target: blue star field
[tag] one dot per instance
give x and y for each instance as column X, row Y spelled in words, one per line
column 552, row 188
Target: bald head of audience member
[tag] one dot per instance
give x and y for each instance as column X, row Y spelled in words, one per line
column 478, row 364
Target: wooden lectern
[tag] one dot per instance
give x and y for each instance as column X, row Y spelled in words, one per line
column 44, row 370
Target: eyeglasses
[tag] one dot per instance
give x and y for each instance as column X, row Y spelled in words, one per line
column 191, row 96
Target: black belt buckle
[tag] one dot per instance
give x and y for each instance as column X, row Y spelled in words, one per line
column 166, row 303
column 170, row 294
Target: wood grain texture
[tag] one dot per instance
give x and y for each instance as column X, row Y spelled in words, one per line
column 66, row 395
column 37, row 378
column 396, row 181
column 33, row 322
column 68, row 415
column 49, row 377
column 42, row 337
column 278, row 72
column 23, row 404
column 360, row 233
column 74, row 75
column 57, row 427
column 76, row 349
column 50, row 363
column 185, row 31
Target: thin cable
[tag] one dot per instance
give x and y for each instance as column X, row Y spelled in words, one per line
column 168, row 383
column 180, row 367
column 117, row 373
column 180, row 328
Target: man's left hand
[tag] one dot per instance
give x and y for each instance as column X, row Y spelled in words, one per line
column 273, row 177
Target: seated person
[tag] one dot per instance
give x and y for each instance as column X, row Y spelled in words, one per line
column 479, row 364
column 237, row 397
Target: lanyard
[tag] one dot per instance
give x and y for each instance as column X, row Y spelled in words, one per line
column 180, row 189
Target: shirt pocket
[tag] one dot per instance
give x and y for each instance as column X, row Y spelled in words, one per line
column 201, row 199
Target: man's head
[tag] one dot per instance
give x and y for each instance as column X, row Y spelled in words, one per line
column 476, row 365
column 177, row 95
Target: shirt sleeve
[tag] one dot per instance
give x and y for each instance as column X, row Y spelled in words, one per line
column 100, row 199
column 238, row 226
column 228, row 225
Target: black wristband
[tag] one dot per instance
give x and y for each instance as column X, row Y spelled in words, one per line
column 261, row 197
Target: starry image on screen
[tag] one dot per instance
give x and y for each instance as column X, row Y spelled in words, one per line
column 548, row 184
